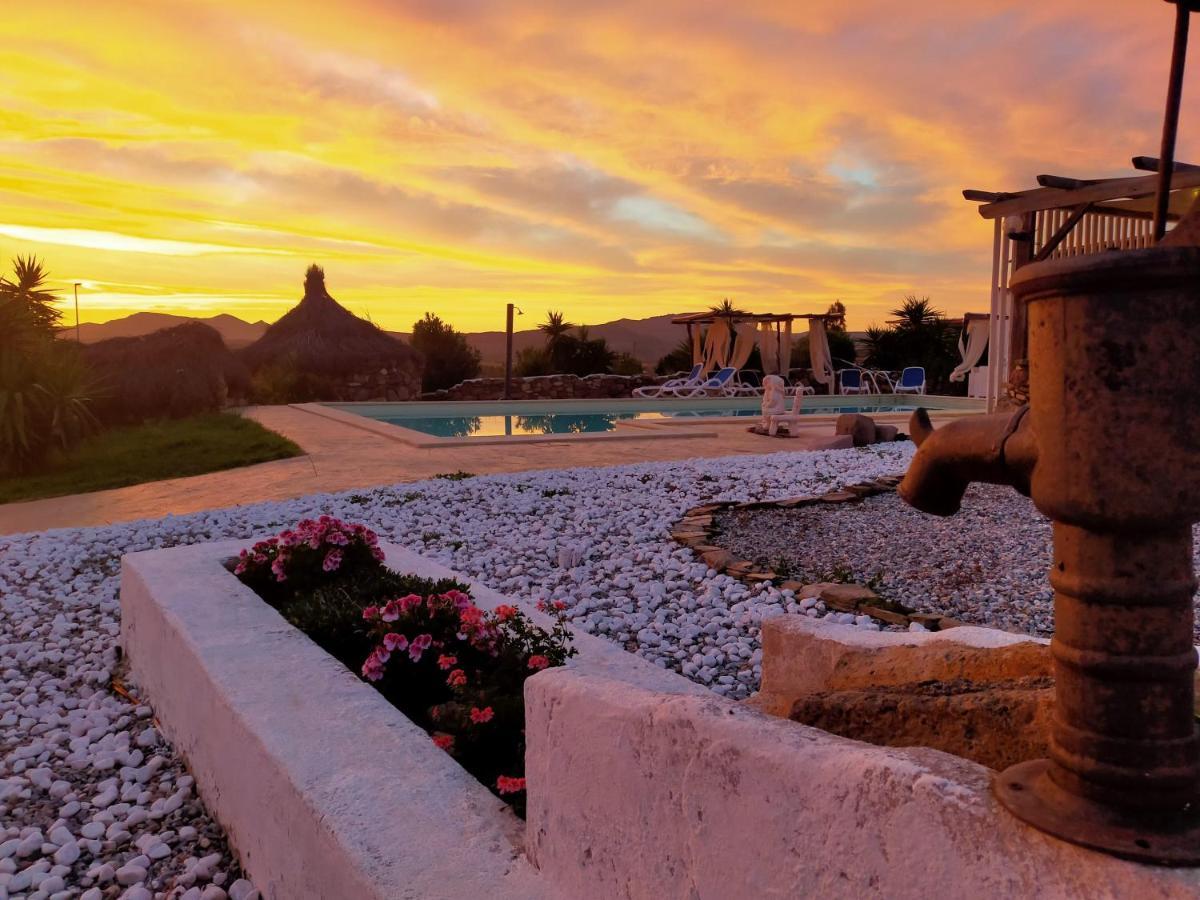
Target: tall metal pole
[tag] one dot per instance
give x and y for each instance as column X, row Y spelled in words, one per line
column 508, row 334
column 78, row 338
column 1166, row 155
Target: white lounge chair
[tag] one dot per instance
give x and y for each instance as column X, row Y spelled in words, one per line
column 723, row 384
column 912, row 381
column 691, row 380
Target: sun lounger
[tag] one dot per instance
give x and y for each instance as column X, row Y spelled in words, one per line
column 691, row 380
column 912, row 381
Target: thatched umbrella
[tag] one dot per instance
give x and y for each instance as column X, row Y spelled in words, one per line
column 170, row 373
column 321, row 337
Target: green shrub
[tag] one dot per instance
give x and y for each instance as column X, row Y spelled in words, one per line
column 449, row 359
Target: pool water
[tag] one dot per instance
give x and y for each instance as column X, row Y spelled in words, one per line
column 567, row 417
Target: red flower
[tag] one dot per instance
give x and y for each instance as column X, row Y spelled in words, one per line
column 445, row 741
column 505, row 612
column 506, row 785
column 457, row 678
column 538, row 662
column 479, row 716
column 446, row 662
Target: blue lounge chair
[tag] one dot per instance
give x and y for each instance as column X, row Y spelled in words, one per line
column 912, row 381
column 850, row 381
column 723, row 384
column 691, row 380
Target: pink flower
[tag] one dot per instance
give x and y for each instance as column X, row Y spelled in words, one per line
column 457, row 678
column 377, row 554
column 538, row 662
column 370, row 613
column 278, row 570
column 393, row 641
column 391, row 611
column 333, row 559
column 506, row 785
column 418, row 646
column 240, row 568
column 458, row 598
column 337, row 539
column 444, row 741
column 479, row 716
column 372, row 669
column 409, row 603
column 446, row 662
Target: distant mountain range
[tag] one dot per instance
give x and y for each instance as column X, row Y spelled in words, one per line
column 236, row 332
column 647, row 339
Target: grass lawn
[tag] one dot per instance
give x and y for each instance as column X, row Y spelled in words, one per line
column 137, row 453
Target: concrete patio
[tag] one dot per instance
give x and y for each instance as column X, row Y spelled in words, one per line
column 338, row 458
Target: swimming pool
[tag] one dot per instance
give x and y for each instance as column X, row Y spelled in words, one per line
column 542, row 418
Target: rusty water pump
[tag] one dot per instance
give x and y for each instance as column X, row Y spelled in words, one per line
column 1109, row 449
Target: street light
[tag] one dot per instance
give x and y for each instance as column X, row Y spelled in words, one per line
column 508, row 336
column 78, row 339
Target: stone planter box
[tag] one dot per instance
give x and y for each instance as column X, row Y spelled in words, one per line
column 641, row 783
column 325, row 788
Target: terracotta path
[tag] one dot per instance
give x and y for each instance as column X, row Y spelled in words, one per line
column 339, row 458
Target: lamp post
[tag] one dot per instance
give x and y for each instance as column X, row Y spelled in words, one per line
column 508, row 358
column 78, row 338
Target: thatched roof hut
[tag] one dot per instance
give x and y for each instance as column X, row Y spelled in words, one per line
column 170, row 373
column 321, row 337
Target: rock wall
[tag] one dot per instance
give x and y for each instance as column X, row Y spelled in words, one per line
column 395, row 383
column 547, row 387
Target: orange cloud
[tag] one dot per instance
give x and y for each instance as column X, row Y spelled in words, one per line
column 606, row 158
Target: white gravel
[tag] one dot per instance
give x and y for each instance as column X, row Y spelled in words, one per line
column 987, row 565
column 81, row 767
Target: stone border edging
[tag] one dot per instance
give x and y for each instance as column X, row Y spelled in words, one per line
column 694, row 530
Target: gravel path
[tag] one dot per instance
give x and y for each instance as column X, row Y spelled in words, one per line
column 987, row 565
column 94, row 804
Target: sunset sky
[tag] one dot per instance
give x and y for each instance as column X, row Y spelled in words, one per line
column 608, row 159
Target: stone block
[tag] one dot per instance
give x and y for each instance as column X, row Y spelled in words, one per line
column 860, row 428
column 803, row 656
column 994, row 723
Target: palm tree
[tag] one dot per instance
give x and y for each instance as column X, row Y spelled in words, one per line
column 916, row 313
column 726, row 308
column 555, row 327
column 24, row 297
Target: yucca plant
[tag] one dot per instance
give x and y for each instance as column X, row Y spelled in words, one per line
column 44, row 384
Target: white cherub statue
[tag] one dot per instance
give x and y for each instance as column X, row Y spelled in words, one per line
column 774, row 401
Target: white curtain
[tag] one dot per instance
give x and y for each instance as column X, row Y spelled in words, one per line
column 768, row 348
column 972, row 352
column 743, row 346
column 785, row 350
column 716, row 345
column 818, row 349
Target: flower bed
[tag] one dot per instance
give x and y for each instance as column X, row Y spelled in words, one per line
column 454, row 669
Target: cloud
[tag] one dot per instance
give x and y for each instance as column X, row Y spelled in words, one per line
column 615, row 158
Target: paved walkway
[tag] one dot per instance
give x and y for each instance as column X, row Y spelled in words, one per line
column 340, row 458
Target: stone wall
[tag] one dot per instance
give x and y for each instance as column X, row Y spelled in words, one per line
column 395, row 383
column 547, row 387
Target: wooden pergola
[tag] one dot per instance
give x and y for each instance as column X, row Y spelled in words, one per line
column 782, row 327
column 1067, row 217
